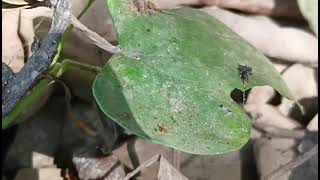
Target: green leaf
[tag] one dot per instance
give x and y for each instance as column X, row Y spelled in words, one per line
column 172, row 83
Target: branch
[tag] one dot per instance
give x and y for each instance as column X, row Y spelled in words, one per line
column 292, row 164
column 39, row 61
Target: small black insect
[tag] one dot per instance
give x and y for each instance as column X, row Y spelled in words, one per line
column 244, row 73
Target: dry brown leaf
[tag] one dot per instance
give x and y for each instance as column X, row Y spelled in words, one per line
column 94, row 167
column 265, row 113
column 260, row 95
column 168, row 172
column 116, row 174
column 275, row 8
column 302, row 81
column 283, row 43
column 136, row 151
column 12, row 48
column 313, row 124
column 29, row 27
column 270, row 154
column 40, row 160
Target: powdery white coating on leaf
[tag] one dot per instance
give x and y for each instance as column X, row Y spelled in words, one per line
column 177, row 92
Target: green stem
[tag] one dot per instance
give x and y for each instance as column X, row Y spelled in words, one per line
column 68, row 63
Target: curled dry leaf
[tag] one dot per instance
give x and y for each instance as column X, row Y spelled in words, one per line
column 168, row 172
column 22, row 22
column 284, row 43
column 281, row 66
column 116, row 174
column 276, row 8
column 136, row 151
column 12, row 48
column 268, row 114
column 302, row 81
column 270, row 154
column 313, row 124
column 40, row 160
column 94, row 167
column 260, row 95
column 28, row 28
column 16, row 2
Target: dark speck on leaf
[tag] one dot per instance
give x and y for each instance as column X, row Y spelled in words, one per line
column 244, row 73
column 162, row 128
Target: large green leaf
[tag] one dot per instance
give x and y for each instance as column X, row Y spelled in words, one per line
column 172, row 83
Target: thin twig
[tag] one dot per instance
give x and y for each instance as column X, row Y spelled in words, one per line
column 279, row 132
column 292, row 164
column 142, row 166
column 97, row 40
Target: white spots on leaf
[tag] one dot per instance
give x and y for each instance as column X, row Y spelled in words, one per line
column 177, row 104
column 165, row 87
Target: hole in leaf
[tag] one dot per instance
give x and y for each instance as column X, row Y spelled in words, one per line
column 276, row 100
column 237, row 95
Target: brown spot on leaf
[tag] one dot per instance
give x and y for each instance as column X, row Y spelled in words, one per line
column 162, row 128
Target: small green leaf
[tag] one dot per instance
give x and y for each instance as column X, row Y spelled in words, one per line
column 172, row 83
